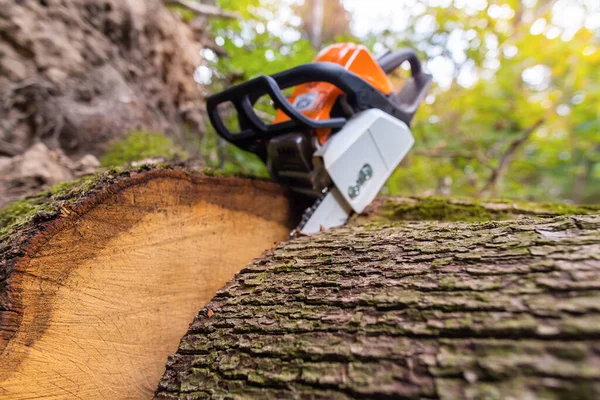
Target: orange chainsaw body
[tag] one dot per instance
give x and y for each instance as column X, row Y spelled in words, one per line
column 316, row 99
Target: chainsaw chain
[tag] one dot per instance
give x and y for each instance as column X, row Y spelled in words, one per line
column 297, row 232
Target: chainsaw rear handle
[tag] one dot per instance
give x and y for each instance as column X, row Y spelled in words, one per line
column 391, row 60
column 359, row 93
column 415, row 89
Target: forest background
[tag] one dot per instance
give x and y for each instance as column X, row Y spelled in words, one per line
column 515, row 108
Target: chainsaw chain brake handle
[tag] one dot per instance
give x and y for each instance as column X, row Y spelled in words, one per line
column 360, row 95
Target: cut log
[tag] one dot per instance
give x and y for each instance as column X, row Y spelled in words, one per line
column 392, row 309
column 99, row 287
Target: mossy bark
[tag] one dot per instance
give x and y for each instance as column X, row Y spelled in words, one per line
column 20, row 218
column 397, row 209
column 422, row 309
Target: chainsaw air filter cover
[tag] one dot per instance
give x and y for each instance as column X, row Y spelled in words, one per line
column 362, row 155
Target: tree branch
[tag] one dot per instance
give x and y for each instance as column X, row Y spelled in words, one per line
column 582, row 178
column 441, row 153
column 203, row 9
column 509, row 154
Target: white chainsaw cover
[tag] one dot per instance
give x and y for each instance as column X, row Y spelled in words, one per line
column 361, row 156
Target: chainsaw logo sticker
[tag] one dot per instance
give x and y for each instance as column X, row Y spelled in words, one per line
column 365, row 173
column 306, row 101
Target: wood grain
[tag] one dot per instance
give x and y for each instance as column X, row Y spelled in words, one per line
column 104, row 294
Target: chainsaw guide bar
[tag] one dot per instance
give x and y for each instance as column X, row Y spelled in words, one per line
column 328, row 211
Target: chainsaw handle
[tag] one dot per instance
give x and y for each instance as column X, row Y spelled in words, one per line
column 348, row 82
column 415, row 88
column 390, row 61
column 361, row 95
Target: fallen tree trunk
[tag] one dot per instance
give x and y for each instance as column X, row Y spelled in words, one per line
column 394, row 309
column 99, row 281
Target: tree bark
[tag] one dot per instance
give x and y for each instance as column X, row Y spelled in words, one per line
column 99, row 281
column 388, row 308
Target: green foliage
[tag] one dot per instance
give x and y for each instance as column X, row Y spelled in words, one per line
column 521, row 66
column 138, row 146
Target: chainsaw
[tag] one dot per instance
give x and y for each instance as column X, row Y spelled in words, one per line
column 339, row 135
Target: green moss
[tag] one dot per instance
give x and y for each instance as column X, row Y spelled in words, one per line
column 14, row 213
column 140, row 145
column 472, row 210
column 217, row 173
column 46, row 204
column 256, row 280
column 256, row 378
column 434, row 208
column 23, row 211
column 554, row 208
column 442, row 261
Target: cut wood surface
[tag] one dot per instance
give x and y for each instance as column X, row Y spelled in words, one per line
column 392, row 309
column 93, row 300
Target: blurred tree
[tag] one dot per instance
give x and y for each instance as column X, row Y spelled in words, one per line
column 323, row 21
